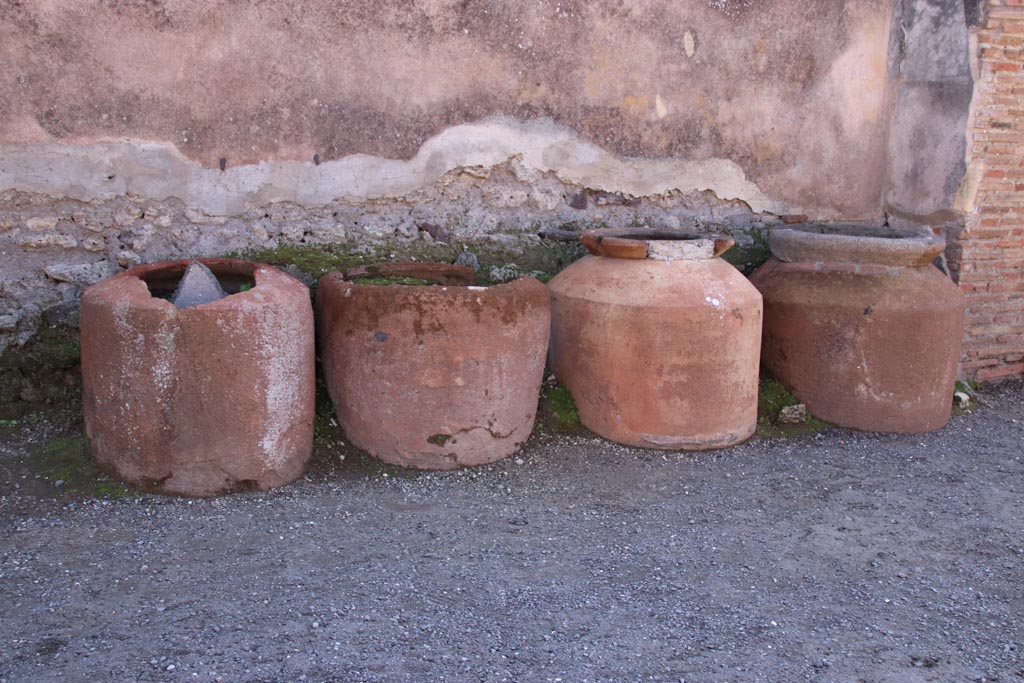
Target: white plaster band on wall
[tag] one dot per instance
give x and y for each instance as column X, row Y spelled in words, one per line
column 158, row 171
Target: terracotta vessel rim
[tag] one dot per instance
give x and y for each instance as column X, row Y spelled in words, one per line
column 855, row 244
column 230, row 272
column 656, row 244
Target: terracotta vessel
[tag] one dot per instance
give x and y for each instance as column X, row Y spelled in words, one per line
column 203, row 400
column 861, row 327
column 433, row 376
column 658, row 340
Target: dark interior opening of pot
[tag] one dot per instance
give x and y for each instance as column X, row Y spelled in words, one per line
column 233, row 277
column 395, row 280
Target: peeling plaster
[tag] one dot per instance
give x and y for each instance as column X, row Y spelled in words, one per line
column 159, row 171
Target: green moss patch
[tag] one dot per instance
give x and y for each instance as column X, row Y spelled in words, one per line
column 557, row 413
column 970, row 388
column 64, row 463
column 498, row 263
column 316, row 261
column 749, row 256
column 772, row 397
column 44, row 370
column 439, row 439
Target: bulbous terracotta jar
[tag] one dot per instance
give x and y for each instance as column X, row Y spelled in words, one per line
column 203, row 400
column 658, row 340
column 860, row 326
column 433, row 376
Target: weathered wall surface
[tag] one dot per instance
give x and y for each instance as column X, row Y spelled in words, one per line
column 791, row 92
column 988, row 256
column 139, row 130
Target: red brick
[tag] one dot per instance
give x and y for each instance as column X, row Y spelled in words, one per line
column 970, row 365
column 998, row 351
column 999, row 372
column 987, row 257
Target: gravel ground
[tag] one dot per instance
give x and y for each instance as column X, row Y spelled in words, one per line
column 837, row 556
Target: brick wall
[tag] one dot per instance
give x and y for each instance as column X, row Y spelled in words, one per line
column 988, row 256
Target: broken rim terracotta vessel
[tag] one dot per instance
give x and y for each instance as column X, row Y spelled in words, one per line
column 203, row 400
column 658, row 339
column 860, row 326
column 433, row 376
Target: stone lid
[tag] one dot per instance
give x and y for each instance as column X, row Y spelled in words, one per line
column 837, row 243
column 650, row 243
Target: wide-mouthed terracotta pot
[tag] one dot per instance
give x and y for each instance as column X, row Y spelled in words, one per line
column 860, row 325
column 203, row 400
column 657, row 339
column 433, row 376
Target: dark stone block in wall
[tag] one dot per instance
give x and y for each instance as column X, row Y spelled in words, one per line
column 65, row 313
column 974, row 12
column 930, row 41
column 927, row 145
column 929, row 68
column 438, row 232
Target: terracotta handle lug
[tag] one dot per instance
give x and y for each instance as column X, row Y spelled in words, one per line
column 613, row 246
column 723, row 244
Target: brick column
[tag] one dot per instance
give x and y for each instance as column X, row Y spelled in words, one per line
column 988, row 256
